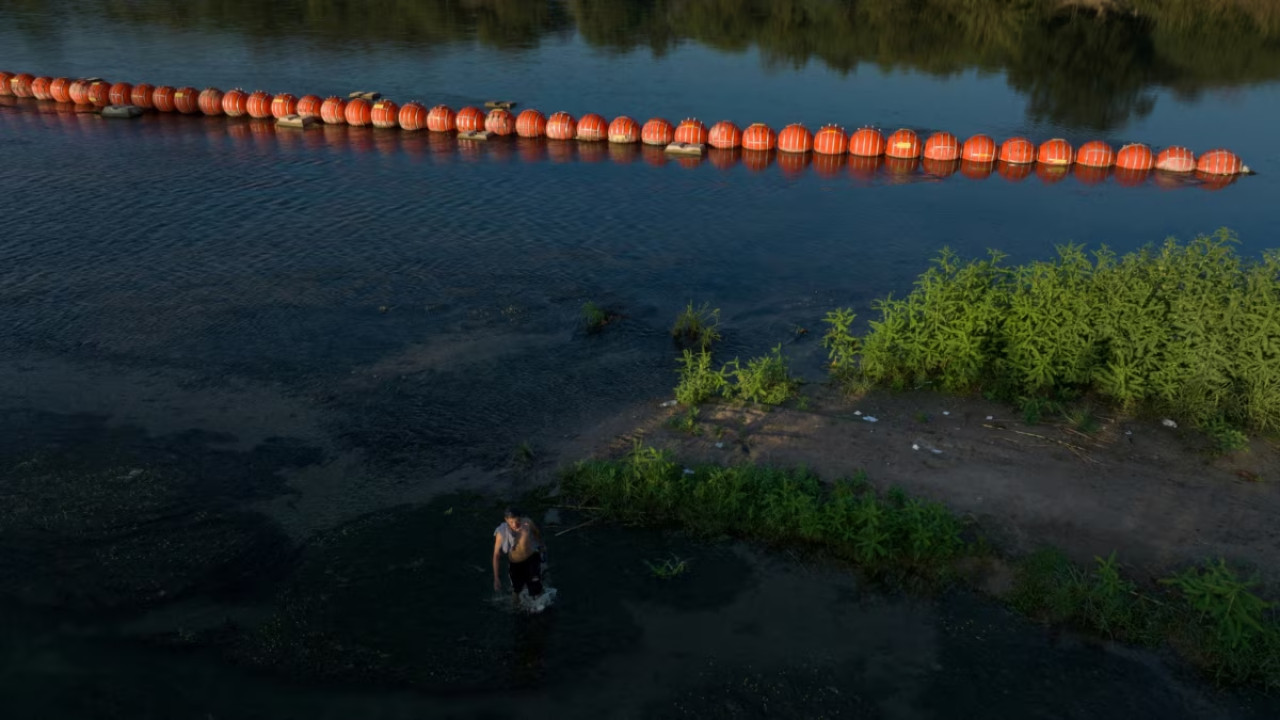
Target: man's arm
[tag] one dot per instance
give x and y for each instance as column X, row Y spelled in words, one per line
column 497, row 553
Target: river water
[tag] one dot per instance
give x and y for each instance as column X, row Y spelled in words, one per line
column 233, row 357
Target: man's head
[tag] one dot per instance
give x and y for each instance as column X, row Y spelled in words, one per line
column 512, row 516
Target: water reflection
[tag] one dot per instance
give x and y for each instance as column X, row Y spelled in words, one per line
column 1077, row 65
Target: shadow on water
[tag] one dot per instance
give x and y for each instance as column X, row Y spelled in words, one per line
column 392, row 614
column 1087, row 64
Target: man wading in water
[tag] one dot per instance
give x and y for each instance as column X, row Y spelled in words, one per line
column 521, row 541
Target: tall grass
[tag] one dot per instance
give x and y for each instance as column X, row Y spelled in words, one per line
column 1191, row 330
column 1209, row 613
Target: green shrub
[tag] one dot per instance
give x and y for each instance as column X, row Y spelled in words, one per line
column 698, row 382
column 697, row 326
column 594, row 318
column 764, row 380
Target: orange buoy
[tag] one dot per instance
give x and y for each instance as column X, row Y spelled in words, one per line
column 1016, row 172
column 40, row 88
column 827, row 165
column 1055, row 152
column 441, row 118
column 691, row 131
column 978, row 149
column 6, row 80
column 1091, row 174
column 20, row 85
column 235, row 102
column 941, row 168
column 358, row 113
column 1017, row 151
column 210, row 101
column 942, row 146
column 1176, row 159
column 977, row 169
column 794, row 138
column 469, row 119
column 309, row 106
column 162, row 98
column 283, row 104
column 412, row 116
column 866, row 142
column 593, row 128
column 531, row 123
column 333, row 111
column 500, row 122
column 759, row 137
column 1220, row 162
column 724, row 135
column 259, row 105
column 830, row 140
column 793, row 163
column 865, row 167
column 1051, row 174
column 903, row 143
column 1131, row 177
column 120, row 93
column 143, row 95
column 79, row 92
column 657, row 131
column 99, row 93
column 385, row 114
column 186, row 100
column 623, row 130
column 60, row 90
column 1135, row 156
column 1096, row 153
column 561, row 126
column 756, row 160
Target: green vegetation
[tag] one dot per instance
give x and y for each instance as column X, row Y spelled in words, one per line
column 1187, row 330
column 594, row 317
column 697, row 326
column 668, row 568
column 687, row 422
column 524, row 456
column 1208, row 613
column 766, row 380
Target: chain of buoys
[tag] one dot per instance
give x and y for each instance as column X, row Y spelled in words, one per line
column 902, row 152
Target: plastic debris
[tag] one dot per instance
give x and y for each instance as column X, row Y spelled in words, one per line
column 857, row 412
column 670, row 403
column 1168, row 423
column 991, row 417
column 869, row 418
column 688, row 471
column 915, row 446
column 720, row 445
column 946, row 412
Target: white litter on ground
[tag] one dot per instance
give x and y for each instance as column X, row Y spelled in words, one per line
column 857, row 412
column 868, row 418
column 1168, row 423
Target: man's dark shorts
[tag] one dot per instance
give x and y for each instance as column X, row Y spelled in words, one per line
column 527, row 574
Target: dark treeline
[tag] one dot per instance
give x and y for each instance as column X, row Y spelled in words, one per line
column 1089, row 63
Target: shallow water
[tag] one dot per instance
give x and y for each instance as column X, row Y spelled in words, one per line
column 292, row 331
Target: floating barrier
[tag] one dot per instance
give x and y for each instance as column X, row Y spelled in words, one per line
column 657, row 131
column 1017, row 151
column 795, row 138
column 561, row 126
column 724, row 135
column 864, row 152
column 942, row 146
column 866, row 142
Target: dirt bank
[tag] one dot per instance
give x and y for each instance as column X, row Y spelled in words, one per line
column 1153, row 493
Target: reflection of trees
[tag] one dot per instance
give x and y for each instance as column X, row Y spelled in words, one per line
column 1078, row 65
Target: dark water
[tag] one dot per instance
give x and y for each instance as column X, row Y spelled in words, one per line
column 282, row 333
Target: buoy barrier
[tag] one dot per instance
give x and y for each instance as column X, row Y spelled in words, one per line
column 795, row 139
column 902, row 144
column 759, row 137
column 864, row 151
column 469, row 119
column 830, row 141
column 561, row 126
column 866, row 142
column 724, row 135
column 691, row 131
column 1017, row 151
column 385, row 114
column 943, row 147
column 531, row 123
